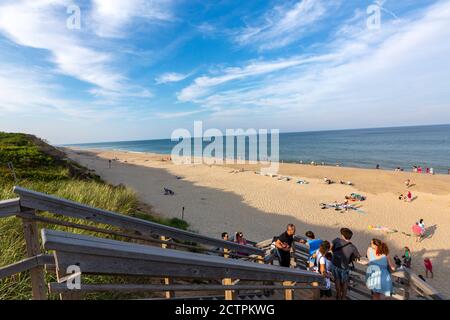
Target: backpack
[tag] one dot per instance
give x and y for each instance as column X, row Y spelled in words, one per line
column 337, row 259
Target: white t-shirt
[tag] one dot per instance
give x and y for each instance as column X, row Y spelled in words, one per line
column 322, row 260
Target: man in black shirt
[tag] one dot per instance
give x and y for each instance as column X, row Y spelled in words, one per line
column 284, row 244
column 344, row 253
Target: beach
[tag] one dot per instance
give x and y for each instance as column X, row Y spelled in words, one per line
column 218, row 198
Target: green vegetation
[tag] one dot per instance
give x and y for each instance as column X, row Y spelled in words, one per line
column 40, row 167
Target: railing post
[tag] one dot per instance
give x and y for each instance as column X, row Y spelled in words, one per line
column 229, row 294
column 167, row 281
column 31, row 234
column 288, row 293
column 407, row 287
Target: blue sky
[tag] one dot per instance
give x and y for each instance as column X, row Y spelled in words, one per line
column 139, row 69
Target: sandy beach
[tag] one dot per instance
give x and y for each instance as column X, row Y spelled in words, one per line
column 216, row 200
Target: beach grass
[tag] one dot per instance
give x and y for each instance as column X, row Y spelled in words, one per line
column 40, row 167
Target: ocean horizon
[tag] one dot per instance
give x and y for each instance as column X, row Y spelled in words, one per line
column 427, row 146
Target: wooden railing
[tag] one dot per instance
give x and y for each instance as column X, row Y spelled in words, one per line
column 43, row 202
column 30, row 207
column 100, row 256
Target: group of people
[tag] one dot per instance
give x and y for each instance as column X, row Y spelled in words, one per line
column 418, row 230
column 418, row 169
column 408, row 197
column 335, row 259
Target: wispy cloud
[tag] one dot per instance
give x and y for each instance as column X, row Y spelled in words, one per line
column 111, row 17
column 203, row 85
column 382, row 73
column 174, row 115
column 285, row 24
column 37, row 24
column 171, row 77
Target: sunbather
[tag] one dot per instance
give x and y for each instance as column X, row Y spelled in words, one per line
column 168, row 192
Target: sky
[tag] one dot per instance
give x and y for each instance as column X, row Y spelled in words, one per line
column 74, row 71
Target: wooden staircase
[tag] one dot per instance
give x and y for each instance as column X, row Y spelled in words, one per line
column 178, row 258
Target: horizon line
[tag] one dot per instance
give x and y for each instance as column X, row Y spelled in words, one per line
column 285, row 132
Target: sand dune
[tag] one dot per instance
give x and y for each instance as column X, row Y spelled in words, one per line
column 216, row 200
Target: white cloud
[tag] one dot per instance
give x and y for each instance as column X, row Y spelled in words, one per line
column 398, row 75
column 173, row 115
column 171, row 77
column 29, row 91
column 285, row 24
column 37, row 24
column 203, row 85
column 111, row 17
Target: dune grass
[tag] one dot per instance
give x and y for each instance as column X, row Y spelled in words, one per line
column 40, row 167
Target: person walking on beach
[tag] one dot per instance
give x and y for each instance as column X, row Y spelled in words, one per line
column 284, row 244
column 422, row 226
column 428, row 267
column 344, row 253
column 378, row 275
column 417, row 232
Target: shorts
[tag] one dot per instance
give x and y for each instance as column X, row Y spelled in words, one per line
column 325, row 293
column 341, row 275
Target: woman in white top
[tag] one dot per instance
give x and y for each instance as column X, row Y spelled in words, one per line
column 323, row 260
column 422, row 226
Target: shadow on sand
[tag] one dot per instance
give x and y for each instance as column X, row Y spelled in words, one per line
column 256, row 225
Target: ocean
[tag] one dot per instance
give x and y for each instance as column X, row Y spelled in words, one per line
column 404, row 147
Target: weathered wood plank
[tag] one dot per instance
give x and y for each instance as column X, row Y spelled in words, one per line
column 9, row 207
column 428, row 290
column 24, row 265
column 55, row 287
column 104, row 256
column 31, row 234
column 41, row 201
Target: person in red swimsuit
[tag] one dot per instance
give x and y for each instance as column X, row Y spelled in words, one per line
column 428, row 267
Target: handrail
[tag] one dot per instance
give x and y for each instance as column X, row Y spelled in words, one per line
column 9, row 207
column 105, row 256
column 25, row 265
column 128, row 288
column 426, row 289
column 40, row 201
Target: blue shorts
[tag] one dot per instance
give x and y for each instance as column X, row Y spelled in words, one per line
column 341, row 275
